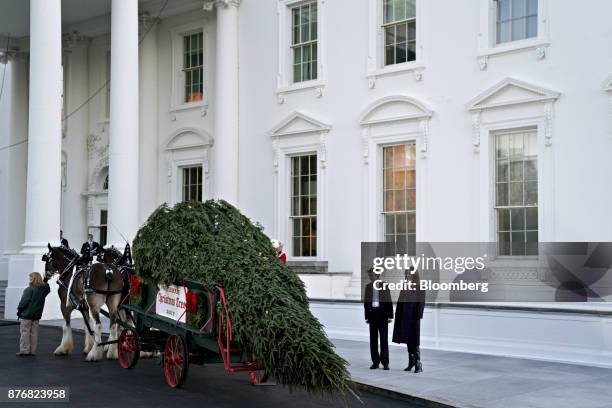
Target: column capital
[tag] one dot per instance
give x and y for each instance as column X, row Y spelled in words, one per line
column 74, row 40
column 210, row 4
column 7, row 55
column 146, row 22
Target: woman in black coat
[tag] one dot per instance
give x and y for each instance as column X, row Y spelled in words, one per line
column 408, row 315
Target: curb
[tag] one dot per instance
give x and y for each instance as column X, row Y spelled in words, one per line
column 413, row 400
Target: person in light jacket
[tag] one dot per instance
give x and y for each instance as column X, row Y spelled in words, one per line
column 408, row 315
column 30, row 310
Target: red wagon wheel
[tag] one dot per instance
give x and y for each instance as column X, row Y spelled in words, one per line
column 176, row 361
column 258, row 377
column 128, row 348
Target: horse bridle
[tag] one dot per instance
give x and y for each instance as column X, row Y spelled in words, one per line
column 48, row 257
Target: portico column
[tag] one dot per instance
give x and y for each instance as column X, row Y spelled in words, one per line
column 225, row 163
column 123, row 144
column 44, row 126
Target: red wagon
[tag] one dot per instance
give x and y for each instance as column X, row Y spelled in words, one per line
column 189, row 323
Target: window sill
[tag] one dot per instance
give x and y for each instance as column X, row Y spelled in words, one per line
column 514, row 46
column 415, row 67
column 188, row 106
column 301, row 86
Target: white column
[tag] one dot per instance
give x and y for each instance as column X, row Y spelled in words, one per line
column 225, row 165
column 74, row 205
column 123, row 145
column 148, row 179
column 44, row 126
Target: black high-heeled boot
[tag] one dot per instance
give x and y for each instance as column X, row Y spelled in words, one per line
column 417, row 361
column 410, row 362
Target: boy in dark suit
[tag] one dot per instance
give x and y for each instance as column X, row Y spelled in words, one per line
column 378, row 310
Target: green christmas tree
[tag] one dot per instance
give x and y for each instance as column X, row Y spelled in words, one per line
column 213, row 243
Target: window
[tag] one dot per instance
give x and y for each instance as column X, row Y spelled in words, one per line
column 304, row 205
column 192, row 183
column 105, row 184
column 103, row 226
column 516, row 20
column 399, row 31
column 193, row 63
column 516, row 192
column 304, row 41
column 399, row 195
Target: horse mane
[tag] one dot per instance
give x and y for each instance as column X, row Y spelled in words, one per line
column 66, row 252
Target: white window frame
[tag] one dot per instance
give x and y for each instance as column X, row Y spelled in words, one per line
column 299, row 134
column 391, row 130
column 181, row 177
column 490, row 117
column 178, row 76
column 285, row 84
column 376, row 57
column 179, row 154
column 493, row 135
column 487, row 41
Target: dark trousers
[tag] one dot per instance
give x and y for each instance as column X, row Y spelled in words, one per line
column 379, row 326
column 412, row 348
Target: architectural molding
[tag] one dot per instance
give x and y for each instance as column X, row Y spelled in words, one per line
column 298, row 123
column 394, row 108
column 476, row 131
column 608, row 88
column 209, row 5
column 188, row 137
column 511, row 91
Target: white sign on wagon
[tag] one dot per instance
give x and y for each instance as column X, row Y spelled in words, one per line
column 171, row 302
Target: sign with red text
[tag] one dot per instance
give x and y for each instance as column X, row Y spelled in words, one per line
column 171, row 302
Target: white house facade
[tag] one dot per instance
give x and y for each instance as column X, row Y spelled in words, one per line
column 330, row 122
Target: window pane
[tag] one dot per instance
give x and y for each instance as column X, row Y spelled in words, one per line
column 401, row 31
column 531, row 193
column 504, row 243
column 518, row 243
column 503, row 32
column 400, row 10
column 503, row 219
column 519, row 29
column 517, row 219
column 389, row 55
column 531, row 218
column 519, row 8
column 502, row 194
column 399, row 179
column 502, row 171
column 411, row 217
column 516, row 144
column 531, row 170
column 503, row 10
column 389, row 224
column 531, row 247
column 411, row 199
column 532, row 7
column 516, row 171
column 410, row 179
column 400, row 200
column 412, row 31
column 502, row 145
column 401, row 53
column 401, row 224
column 389, row 35
column 388, row 10
column 532, row 26
column 411, row 9
column 516, row 193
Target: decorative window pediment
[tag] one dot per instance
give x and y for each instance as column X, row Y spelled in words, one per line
column 509, row 92
column 393, row 109
column 298, row 123
column 188, row 138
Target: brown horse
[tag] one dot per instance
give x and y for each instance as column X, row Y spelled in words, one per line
column 106, row 283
